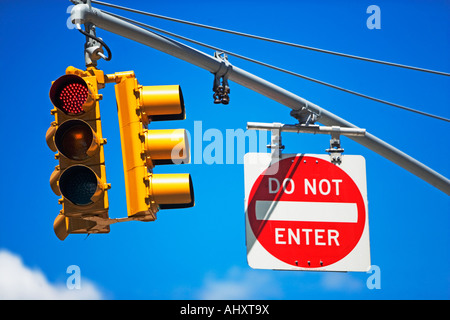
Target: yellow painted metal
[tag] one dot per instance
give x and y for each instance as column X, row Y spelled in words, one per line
column 66, row 137
column 63, row 226
column 54, row 178
column 76, row 137
column 133, row 148
column 142, row 149
column 159, row 103
column 169, row 146
column 172, row 190
column 49, row 137
column 79, row 225
column 59, row 226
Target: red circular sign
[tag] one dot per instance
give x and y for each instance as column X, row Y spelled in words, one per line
column 309, row 214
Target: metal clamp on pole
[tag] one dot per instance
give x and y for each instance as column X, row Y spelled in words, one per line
column 93, row 48
column 305, row 116
column 221, row 90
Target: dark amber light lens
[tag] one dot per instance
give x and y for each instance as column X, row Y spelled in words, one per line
column 78, row 184
column 73, row 139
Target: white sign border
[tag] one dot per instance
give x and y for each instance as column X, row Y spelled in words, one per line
column 358, row 260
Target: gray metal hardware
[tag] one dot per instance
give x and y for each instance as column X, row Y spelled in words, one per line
column 221, row 89
column 335, row 149
column 275, row 145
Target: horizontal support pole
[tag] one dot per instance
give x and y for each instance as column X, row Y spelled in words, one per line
column 300, row 128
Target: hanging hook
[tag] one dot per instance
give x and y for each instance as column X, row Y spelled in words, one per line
column 221, row 87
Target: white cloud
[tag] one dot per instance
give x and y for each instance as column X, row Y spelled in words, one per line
column 240, row 284
column 332, row 281
column 17, row 281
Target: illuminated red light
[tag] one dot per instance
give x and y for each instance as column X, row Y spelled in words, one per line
column 72, row 98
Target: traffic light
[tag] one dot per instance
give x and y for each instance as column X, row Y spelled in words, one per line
column 76, row 136
column 142, row 149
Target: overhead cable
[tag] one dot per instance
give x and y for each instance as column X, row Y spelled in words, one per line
column 277, row 68
column 271, row 40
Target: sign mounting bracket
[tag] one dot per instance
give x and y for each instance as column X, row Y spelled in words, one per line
column 276, row 145
column 335, row 149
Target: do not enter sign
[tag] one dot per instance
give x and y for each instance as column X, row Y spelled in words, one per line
column 306, row 213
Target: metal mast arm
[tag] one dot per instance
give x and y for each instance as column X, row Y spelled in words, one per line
column 82, row 13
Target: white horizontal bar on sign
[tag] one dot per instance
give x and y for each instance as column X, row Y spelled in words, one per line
column 306, row 211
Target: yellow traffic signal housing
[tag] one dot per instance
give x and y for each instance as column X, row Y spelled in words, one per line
column 76, row 136
column 142, row 149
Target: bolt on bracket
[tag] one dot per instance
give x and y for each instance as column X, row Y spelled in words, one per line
column 335, row 149
column 221, row 87
column 275, row 145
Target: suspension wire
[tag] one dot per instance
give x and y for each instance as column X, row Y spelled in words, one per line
column 271, row 40
column 277, row 68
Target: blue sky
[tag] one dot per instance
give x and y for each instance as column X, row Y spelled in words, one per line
column 200, row 253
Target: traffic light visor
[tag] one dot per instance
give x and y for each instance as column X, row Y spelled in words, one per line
column 70, row 94
column 172, row 191
column 162, row 103
column 167, row 146
column 60, row 227
column 80, row 185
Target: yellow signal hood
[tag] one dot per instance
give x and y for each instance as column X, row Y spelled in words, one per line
column 170, row 146
column 160, row 103
column 171, row 191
